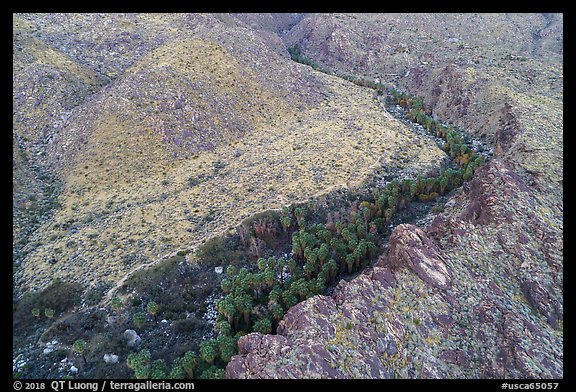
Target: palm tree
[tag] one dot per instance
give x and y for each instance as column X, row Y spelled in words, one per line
column 79, row 346
column 177, row 372
column 226, row 285
column 189, row 363
column 296, row 245
column 300, row 214
column 413, row 191
column 349, row 262
column 347, row 234
column 323, row 233
column 152, row 308
column 309, row 270
column 227, row 346
column 280, row 266
column 443, row 183
column 388, row 214
column 261, row 263
column 244, row 305
column 381, row 202
column 138, row 360
column 331, row 269
column 285, row 221
column 276, row 311
column 224, row 327
column 292, row 265
column 469, row 172
column 310, row 256
column 159, row 369
column 256, row 283
column 225, row 307
column 139, row 319
column 323, row 252
column 208, row 351
column 361, row 229
column 300, row 289
column 263, row 326
column 289, row 299
column 358, row 254
column 269, row 277
column 231, row 271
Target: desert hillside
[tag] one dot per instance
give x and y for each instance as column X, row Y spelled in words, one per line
column 188, row 140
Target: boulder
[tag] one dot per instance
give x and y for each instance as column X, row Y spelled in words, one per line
column 111, row 358
column 132, row 338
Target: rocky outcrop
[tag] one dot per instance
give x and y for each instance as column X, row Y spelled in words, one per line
column 309, row 337
column 410, row 247
column 486, row 199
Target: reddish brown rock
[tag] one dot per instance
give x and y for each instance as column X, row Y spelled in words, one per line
column 543, row 301
column 255, row 350
column 411, row 248
column 486, row 205
column 457, row 357
column 309, row 317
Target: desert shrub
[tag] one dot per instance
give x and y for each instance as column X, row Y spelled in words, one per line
column 221, row 250
column 187, row 325
column 213, row 372
column 94, row 294
column 60, row 296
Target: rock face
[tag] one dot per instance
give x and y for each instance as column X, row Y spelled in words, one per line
column 410, row 247
column 444, row 302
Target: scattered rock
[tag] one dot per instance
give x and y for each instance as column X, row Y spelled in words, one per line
column 111, row 358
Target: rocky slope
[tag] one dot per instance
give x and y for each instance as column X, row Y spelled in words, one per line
column 479, row 292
